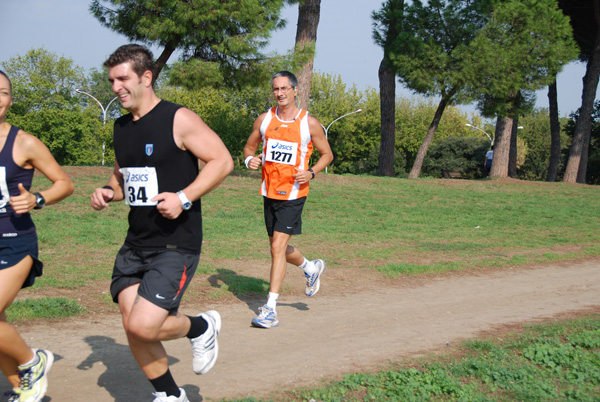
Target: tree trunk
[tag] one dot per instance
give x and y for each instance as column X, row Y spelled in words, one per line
column 512, row 154
column 160, row 63
column 554, row 133
column 416, row 169
column 387, row 96
column 577, row 164
column 501, row 147
column 309, row 12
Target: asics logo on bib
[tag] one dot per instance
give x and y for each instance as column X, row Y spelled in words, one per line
column 282, row 147
column 135, row 177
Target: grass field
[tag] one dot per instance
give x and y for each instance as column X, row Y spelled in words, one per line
column 390, row 227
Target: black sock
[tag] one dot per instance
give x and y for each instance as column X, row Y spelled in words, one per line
column 166, row 383
column 198, row 326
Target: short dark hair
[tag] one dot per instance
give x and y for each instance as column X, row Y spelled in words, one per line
column 291, row 77
column 9, row 81
column 141, row 58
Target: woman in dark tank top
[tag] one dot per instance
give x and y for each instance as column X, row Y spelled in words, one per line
column 20, row 154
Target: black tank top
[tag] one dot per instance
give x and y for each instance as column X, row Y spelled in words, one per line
column 149, row 142
column 11, row 174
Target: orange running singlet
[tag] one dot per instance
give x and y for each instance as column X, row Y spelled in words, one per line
column 286, row 145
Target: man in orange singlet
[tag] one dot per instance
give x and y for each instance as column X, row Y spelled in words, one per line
column 287, row 134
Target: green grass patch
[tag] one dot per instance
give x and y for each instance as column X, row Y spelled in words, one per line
column 47, row 307
column 396, row 226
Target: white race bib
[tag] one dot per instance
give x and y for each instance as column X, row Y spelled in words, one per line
column 4, row 194
column 284, row 152
column 140, row 185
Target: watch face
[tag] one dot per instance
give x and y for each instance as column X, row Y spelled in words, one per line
column 40, row 202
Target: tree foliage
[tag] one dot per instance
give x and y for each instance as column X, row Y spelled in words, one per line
column 47, row 106
column 462, row 154
column 224, row 36
column 43, row 80
column 521, row 49
column 534, row 134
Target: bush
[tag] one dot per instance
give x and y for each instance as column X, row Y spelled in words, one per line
column 465, row 155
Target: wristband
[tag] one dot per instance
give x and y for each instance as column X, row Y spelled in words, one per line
column 113, row 190
column 248, row 159
column 312, row 172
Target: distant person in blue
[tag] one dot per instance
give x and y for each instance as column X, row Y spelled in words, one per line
column 20, row 154
column 487, row 164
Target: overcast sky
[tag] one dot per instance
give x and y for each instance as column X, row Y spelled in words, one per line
column 344, row 42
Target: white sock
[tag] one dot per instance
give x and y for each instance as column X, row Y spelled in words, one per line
column 272, row 301
column 32, row 361
column 308, row 267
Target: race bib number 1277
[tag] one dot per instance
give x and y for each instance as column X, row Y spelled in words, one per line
column 140, row 185
column 281, row 152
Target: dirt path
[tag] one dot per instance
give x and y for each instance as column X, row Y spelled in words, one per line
column 319, row 338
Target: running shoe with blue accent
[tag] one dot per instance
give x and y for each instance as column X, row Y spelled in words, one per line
column 13, row 395
column 313, row 282
column 205, row 347
column 34, row 377
column 267, row 318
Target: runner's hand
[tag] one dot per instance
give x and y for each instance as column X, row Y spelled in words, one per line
column 100, row 198
column 303, row 176
column 23, row 202
column 169, row 205
column 255, row 162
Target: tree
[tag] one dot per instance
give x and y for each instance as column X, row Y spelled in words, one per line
column 47, row 106
column 223, row 36
column 554, row 132
column 520, row 50
column 309, row 12
column 387, row 25
column 428, row 54
column 352, row 138
column 43, row 80
column 585, row 20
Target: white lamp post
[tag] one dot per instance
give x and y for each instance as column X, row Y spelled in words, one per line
column 327, row 129
column 104, row 110
column 477, row 128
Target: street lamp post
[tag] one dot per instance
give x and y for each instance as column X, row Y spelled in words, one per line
column 104, row 110
column 491, row 139
column 327, row 129
column 477, row 128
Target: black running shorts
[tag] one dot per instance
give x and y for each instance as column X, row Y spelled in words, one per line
column 14, row 249
column 163, row 275
column 283, row 216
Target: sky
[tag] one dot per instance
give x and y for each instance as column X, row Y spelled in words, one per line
column 344, row 42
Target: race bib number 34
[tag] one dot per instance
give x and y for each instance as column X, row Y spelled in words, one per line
column 140, row 185
column 281, row 152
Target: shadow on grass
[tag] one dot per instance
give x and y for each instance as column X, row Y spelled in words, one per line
column 251, row 291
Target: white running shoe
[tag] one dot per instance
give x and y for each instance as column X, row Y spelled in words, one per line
column 205, row 347
column 313, row 282
column 162, row 397
column 266, row 318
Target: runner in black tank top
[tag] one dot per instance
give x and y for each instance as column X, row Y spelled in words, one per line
column 158, row 147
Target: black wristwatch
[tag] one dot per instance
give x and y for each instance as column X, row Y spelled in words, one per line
column 312, row 172
column 40, row 202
